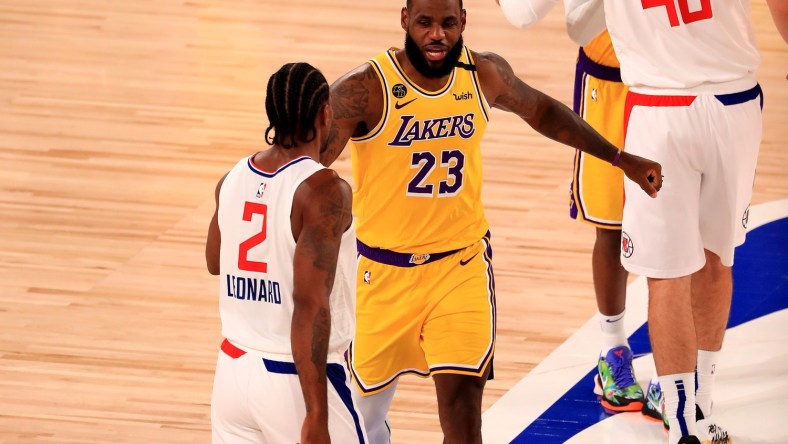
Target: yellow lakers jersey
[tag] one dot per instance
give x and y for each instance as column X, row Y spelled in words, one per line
column 418, row 173
column 600, row 50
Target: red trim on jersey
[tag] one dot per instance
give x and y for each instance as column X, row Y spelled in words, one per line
column 636, row 99
column 231, row 350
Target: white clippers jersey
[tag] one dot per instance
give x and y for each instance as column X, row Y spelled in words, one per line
column 684, row 46
column 256, row 268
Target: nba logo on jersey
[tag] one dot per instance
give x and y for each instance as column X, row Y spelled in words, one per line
column 627, row 247
column 260, row 190
column 367, row 276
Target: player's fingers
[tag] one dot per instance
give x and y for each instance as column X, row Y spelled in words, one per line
column 658, row 181
column 646, row 185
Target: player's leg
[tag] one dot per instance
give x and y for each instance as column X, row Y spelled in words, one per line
column 459, row 337
column 610, row 279
column 725, row 197
column 712, row 293
column 374, row 409
column 231, row 421
column 345, row 418
column 460, row 406
column 597, row 199
column 615, row 379
column 661, row 240
column 389, row 319
column 673, row 341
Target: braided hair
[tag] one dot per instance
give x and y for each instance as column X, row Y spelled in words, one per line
column 294, row 96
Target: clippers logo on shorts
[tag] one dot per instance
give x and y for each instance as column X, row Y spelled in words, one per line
column 399, row 90
column 745, row 217
column 261, row 190
column 367, row 276
column 419, row 259
column 627, row 247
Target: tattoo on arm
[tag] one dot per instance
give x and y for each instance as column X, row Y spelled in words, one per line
column 350, row 102
column 546, row 115
column 350, row 98
column 321, row 331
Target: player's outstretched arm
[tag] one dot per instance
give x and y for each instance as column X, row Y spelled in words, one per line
column 585, row 19
column 551, row 118
column 357, row 106
column 321, row 214
column 213, row 242
column 526, row 13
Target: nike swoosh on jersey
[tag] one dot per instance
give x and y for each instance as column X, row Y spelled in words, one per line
column 463, row 263
column 402, row 105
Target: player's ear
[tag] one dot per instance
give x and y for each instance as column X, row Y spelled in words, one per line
column 325, row 116
column 462, row 20
column 404, row 19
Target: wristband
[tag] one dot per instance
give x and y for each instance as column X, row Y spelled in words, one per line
column 616, row 158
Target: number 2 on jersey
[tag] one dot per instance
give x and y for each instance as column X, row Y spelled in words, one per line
column 453, row 160
column 687, row 16
column 244, row 263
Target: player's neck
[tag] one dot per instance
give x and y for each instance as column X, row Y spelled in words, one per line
column 277, row 156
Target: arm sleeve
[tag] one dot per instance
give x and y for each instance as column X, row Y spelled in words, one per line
column 585, row 19
column 526, row 13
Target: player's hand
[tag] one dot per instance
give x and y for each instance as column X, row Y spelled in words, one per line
column 644, row 172
column 314, row 431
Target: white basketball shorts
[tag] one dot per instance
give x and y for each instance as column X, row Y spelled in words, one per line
column 257, row 399
column 708, row 148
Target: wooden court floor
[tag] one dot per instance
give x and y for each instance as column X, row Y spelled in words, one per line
column 116, row 120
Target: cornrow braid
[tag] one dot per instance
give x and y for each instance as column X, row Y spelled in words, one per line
column 294, row 96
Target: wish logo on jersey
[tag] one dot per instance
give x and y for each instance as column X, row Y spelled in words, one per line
column 411, row 130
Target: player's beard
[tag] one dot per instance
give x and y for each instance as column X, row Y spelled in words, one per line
column 421, row 64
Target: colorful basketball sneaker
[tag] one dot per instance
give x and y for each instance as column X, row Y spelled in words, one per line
column 616, row 378
column 654, row 405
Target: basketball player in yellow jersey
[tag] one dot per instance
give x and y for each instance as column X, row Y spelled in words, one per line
column 597, row 198
column 425, row 285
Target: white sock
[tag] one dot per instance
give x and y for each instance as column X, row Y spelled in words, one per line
column 707, row 366
column 612, row 331
column 679, row 390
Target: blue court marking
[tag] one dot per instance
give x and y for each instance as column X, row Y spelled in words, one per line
column 760, row 276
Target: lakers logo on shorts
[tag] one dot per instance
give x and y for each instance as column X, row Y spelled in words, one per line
column 419, row 259
column 627, row 247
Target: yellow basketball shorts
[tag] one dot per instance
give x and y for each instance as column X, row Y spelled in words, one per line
column 597, row 192
column 431, row 318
